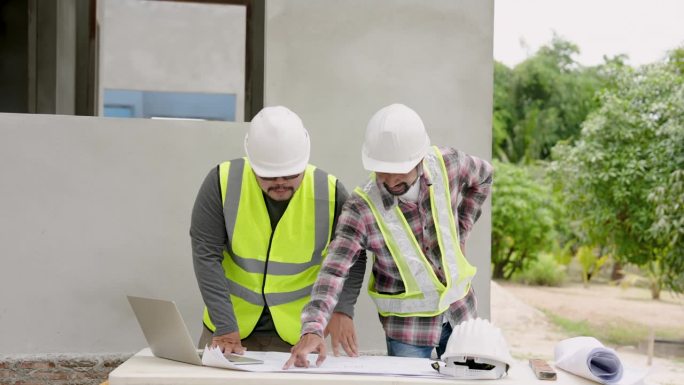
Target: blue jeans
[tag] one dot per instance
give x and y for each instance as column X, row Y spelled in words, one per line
column 399, row 349
column 444, row 338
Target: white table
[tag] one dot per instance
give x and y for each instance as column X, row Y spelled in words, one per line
column 144, row 368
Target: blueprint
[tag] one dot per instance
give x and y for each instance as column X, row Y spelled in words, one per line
column 376, row 365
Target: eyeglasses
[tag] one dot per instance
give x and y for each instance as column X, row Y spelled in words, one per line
column 274, row 178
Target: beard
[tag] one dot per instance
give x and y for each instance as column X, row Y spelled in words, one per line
column 397, row 190
column 280, row 190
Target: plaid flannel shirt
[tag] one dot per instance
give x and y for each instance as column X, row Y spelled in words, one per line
column 470, row 181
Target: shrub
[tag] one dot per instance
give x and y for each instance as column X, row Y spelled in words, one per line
column 544, row 271
column 523, row 213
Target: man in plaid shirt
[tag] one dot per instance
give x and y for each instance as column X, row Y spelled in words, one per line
column 419, row 302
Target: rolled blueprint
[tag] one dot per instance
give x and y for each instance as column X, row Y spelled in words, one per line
column 588, row 358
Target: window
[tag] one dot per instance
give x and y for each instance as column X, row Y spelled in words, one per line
column 158, row 104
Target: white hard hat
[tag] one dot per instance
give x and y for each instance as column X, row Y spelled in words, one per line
column 476, row 350
column 396, row 140
column 277, row 144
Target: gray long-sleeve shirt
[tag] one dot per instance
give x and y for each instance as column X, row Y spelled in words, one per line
column 209, row 238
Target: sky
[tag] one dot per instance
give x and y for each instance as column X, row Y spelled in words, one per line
column 643, row 29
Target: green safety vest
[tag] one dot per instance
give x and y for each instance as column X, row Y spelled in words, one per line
column 273, row 268
column 424, row 294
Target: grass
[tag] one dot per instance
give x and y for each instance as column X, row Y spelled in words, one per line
column 618, row 332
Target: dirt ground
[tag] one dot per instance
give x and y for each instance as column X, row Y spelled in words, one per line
column 529, row 333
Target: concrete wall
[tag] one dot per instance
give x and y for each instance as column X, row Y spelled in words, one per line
column 173, row 46
column 93, row 209
column 336, row 62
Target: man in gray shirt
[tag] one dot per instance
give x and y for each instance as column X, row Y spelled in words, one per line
column 260, row 229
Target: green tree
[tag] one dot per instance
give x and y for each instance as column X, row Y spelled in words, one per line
column 622, row 179
column 676, row 59
column 503, row 114
column 541, row 101
column 522, row 218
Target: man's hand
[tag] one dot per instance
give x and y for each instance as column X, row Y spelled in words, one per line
column 341, row 330
column 309, row 343
column 228, row 343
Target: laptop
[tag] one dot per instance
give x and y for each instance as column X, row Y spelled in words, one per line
column 167, row 335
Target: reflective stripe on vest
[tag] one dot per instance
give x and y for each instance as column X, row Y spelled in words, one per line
column 275, row 268
column 424, row 294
